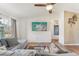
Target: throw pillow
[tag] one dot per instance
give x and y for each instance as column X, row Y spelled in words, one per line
column 3, row 48
column 23, row 45
column 53, row 48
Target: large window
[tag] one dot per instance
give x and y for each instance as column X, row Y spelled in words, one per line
column 7, row 28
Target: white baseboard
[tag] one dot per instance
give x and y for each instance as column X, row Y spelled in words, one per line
column 71, row 44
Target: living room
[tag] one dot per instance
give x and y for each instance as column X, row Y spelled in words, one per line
column 39, row 30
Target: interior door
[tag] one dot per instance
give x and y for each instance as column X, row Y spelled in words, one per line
column 71, row 31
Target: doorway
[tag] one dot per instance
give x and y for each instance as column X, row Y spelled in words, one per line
column 71, row 28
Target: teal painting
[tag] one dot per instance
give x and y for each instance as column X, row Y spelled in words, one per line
column 39, row 26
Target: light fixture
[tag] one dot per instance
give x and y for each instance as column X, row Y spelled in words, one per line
column 49, row 7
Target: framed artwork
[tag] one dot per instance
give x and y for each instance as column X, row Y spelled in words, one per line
column 56, row 29
column 39, row 26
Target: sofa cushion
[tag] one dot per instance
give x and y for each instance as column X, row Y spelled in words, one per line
column 0, row 44
column 4, row 42
column 12, row 42
column 20, row 46
column 23, row 45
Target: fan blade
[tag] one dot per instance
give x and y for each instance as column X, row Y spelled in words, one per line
column 40, row 5
column 51, row 3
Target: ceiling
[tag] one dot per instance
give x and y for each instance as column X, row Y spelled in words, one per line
column 22, row 10
column 27, row 10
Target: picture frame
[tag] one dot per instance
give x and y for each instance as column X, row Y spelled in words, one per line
column 39, row 26
column 56, row 29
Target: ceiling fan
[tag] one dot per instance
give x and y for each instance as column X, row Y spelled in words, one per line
column 49, row 6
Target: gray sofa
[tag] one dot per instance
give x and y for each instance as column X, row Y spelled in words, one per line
column 12, row 44
column 14, row 48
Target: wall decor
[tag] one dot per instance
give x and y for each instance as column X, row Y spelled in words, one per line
column 56, row 29
column 72, row 20
column 39, row 26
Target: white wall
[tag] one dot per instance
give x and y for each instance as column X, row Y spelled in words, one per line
column 25, row 29
column 38, row 36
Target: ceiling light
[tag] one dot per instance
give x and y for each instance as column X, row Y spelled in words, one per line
column 49, row 7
